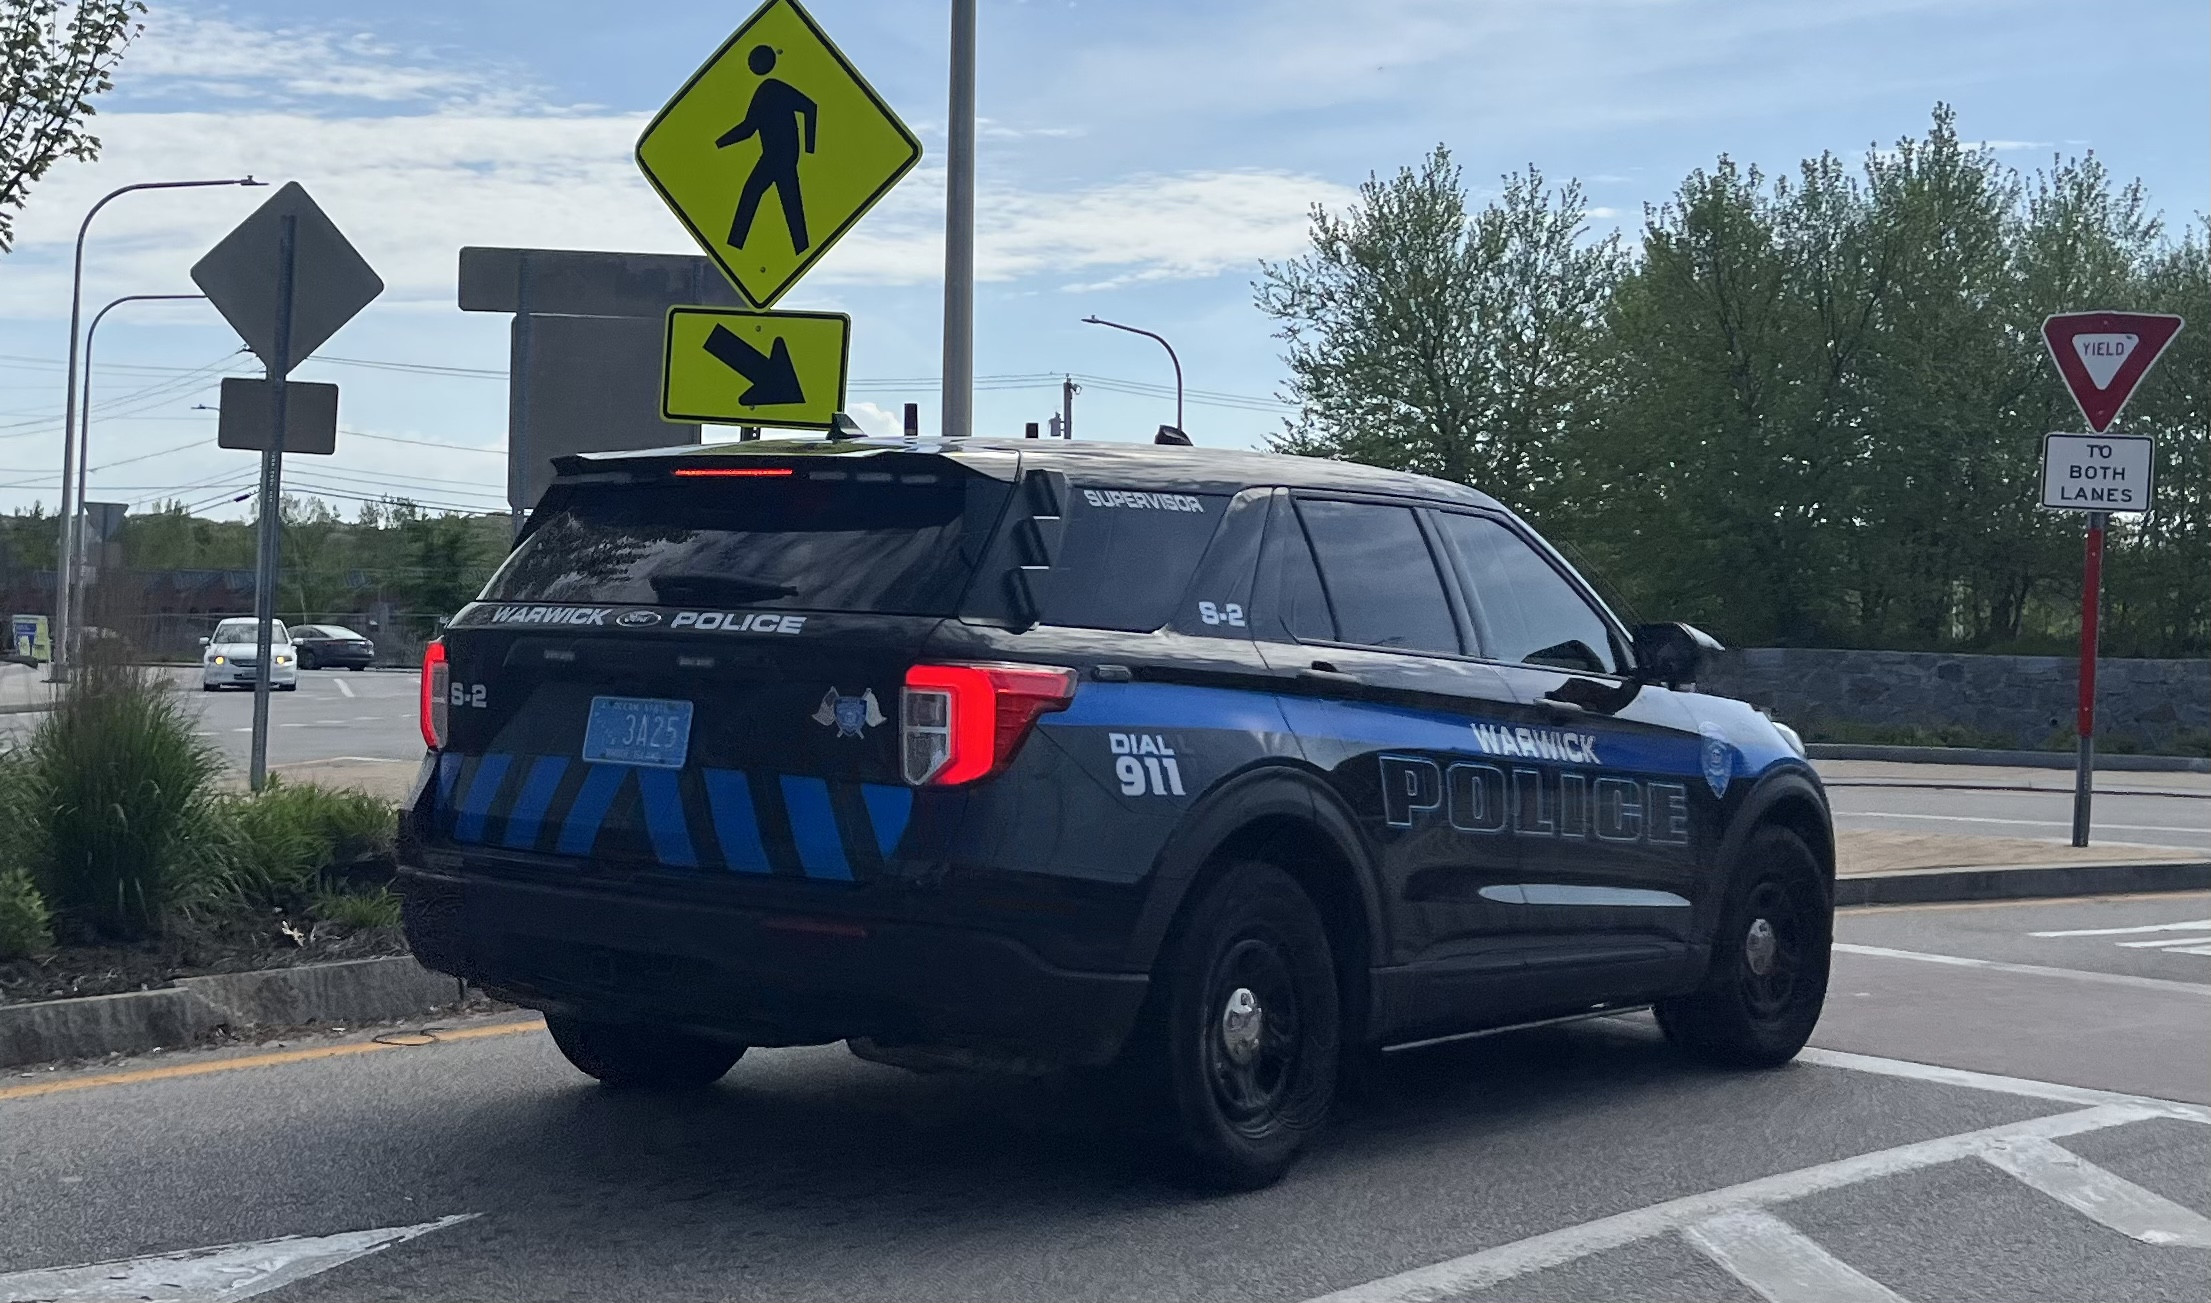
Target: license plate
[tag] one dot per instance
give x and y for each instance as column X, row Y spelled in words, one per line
column 638, row 731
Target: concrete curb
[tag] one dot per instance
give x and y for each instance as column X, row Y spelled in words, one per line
column 1928, row 886
column 350, row 992
column 2016, row 759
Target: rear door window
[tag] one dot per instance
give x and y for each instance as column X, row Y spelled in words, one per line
column 874, row 540
column 1128, row 555
column 1379, row 576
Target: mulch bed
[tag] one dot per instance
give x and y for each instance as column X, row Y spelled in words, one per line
column 193, row 950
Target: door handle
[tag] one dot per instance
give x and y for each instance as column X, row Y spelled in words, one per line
column 1325, row 672
column 1560, row 706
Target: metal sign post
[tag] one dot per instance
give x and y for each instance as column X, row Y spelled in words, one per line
column 2084, row 723
column 270, row 542
column 2101, row 356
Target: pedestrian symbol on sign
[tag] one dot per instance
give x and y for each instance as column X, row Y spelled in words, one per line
column 773, row 116
column 777, row 120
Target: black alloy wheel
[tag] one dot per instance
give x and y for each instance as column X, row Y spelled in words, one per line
column 1768, row 979
column 1241, row 1032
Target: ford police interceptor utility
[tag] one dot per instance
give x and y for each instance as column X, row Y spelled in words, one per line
column 1224, row 769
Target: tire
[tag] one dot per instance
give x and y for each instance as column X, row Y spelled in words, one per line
column 293, row 686
column 1768, row 980
column 641, row 1056
column 356, row 668
column 306, row 660
column 1243, row 1093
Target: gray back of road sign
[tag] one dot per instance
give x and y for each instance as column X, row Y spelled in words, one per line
column 584, row 364
column 248, row 417
column 331, row 282
column 105, row 520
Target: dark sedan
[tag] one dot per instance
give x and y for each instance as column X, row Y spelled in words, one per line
column 330, row 646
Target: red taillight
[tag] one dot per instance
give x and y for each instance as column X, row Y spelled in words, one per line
column 730, row 472
column 958, row 723
column 435, row 676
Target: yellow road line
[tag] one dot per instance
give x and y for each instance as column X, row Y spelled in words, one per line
column 396, row 1040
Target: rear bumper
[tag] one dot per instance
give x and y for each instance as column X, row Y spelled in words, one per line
column 760, row 977
column 342, row 656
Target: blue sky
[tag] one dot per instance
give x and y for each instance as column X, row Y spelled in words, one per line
column 1138, row 159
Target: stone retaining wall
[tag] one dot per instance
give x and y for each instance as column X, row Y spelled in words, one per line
column 2027, row 699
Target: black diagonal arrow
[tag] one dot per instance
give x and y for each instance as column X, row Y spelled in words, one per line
column 774, row 379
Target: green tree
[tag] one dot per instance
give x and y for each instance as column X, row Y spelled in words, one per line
column 1426, row 338
column 50, row 70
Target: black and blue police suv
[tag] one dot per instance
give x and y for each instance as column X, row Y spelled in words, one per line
column 1224, row 769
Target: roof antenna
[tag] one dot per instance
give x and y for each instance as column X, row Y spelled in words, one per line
column 1170, row 435
column 842, row 426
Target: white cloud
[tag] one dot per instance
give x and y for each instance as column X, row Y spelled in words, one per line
column 183, row 54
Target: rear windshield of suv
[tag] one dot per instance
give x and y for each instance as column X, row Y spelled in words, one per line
column 873, row 540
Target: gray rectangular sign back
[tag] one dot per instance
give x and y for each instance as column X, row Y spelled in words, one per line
column 589, row 384
column 248, row 418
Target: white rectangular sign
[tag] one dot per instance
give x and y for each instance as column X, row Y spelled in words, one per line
column 2096, row 472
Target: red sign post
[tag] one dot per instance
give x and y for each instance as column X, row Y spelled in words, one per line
column 2102, row 357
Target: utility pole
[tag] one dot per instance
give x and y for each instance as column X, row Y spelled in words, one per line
column 959, row 229
column 1067, row 391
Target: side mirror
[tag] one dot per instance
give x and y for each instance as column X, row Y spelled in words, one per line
column 203, row 642
column 1672, row 653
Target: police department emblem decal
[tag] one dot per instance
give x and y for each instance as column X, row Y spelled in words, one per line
column 1718, row 755
column 850, row 716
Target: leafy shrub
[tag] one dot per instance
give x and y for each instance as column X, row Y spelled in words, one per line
column 119, row 787
column 288, row 846
column 25, row 926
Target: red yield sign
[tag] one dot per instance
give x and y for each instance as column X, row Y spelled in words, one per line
column 2104, row 355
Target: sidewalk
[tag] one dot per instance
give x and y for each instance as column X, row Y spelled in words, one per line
column 1994, row 778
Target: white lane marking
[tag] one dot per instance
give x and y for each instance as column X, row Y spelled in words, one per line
column 2088, row 1189
column 2192, row 925
column 2030, row 970
column 2026, row 823
column 222, row 1273
column 1774, row 1258
column 2160, row 943
column 1989, row 1081
column 1490, row 1266
column 343, row 686
column 2200, row 949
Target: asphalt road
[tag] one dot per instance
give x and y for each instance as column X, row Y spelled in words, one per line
column 1575, row 1163
column 2180, row 818
column 367, row 713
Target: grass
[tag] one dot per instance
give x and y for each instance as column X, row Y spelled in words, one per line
column 118, row 789
column 26, row 928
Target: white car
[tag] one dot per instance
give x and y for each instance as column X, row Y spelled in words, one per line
column 227, row 659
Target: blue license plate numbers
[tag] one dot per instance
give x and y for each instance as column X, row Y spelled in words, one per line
column 638, row 731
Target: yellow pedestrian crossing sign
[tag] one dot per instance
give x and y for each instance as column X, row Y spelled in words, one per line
column 727, row 367
column 773, row 149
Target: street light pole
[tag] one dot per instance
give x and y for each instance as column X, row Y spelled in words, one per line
column 68, row 547
column 72, row 563
column 959, row 230
column 1134, row 330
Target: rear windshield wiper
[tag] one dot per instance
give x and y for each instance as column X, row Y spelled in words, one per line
column 679, row 589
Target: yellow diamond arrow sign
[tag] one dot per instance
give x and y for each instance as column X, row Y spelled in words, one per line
column 784, row 369
column 773, row 149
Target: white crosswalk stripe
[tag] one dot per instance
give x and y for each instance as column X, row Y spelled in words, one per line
column 2112, row 1200
column 1736, row 1230
column 1775, row 1259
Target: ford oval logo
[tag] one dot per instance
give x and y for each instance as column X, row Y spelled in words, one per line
column 637, row 619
